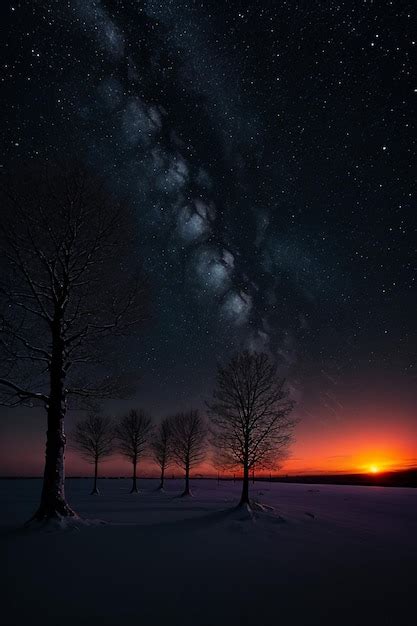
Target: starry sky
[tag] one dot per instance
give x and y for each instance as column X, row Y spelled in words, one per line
column 269, row 151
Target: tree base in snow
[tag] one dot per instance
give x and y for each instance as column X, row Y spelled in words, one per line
column 253, row 505
column 264, row 508
column 56, row 511
column 252, row 510
column 60, row 517
column 243, row 512
column 56, row 524
column 55, row 516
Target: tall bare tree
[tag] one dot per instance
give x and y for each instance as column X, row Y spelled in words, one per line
column 69, row 282
column 132, row 434
column 189, row 442
column 161, row 447
column 250, row 413
column 93, row 437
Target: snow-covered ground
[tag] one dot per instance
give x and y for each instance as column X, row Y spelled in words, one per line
column 326, row 556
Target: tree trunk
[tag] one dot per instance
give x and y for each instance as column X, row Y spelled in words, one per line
column 134, row 483
column 244, row 499
column 161, row 486
column 187, row 491
column 95, row 491
column 53, row 503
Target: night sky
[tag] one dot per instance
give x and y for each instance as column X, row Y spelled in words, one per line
column 269, row 151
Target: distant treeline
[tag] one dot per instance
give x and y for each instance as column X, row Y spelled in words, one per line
column 402, row 478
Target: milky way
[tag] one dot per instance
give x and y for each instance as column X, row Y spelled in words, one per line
column 267, row 148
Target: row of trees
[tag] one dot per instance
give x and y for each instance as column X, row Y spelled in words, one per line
column 70, row 284
column 179, row 439
column 250, row 426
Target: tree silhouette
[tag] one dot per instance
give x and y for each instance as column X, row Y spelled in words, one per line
column 94, row 439
column 250, row 415
column 69, row 283
column 161, row 447
column 189, row 439
column 132, row 434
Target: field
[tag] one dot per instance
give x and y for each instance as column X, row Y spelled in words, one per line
column 322, row 555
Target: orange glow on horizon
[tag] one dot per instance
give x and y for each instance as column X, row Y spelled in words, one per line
column 371, row 440
column 351, row 455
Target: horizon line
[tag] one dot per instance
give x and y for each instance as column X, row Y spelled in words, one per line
column 225, row 476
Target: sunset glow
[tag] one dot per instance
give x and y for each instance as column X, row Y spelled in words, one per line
column 362, row 439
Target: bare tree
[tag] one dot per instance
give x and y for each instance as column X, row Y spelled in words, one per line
column 161, row 447
column 189, row 438
column 250, row 414
column 93, row 438
column 68, row 283
column 132, row 433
